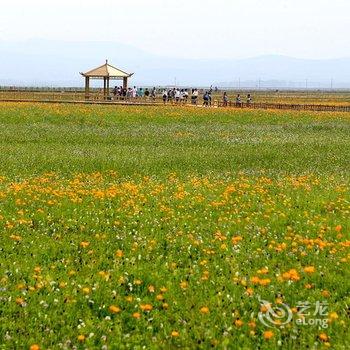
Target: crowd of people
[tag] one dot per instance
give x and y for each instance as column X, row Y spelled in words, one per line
column 176, row 95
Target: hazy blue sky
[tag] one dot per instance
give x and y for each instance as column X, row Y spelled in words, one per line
column 189, row 28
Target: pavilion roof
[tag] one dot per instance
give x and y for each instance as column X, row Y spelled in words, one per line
column 106, row 70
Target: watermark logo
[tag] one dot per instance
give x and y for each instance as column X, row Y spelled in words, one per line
column 274, row 315
column 305, row 314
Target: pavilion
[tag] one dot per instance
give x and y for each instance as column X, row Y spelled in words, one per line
column 107, row 73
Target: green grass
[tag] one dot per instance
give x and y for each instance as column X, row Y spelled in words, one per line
column 197, row 213
column 132, row 140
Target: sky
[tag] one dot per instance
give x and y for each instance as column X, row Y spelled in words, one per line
column 189, row 28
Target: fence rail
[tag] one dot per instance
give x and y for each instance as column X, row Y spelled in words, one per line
column 286, row 106
column 78, row 97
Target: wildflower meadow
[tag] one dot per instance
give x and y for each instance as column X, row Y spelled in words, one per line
column 173, row 228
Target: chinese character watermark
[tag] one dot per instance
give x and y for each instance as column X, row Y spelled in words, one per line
column 305, row 314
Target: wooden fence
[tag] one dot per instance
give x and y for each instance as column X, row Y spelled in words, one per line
column 79, row 98
column 286, row 106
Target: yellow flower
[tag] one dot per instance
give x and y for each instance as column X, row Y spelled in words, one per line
column 160, row 297
column 151, row 289
column 86, row 290
column 333, row 316
column 175, row 333
column 183, row 285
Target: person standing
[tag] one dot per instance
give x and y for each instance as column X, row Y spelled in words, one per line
column 146, row 93
column 185, row 96
column 206, row 99
column 225, row 99
column 165, row 96
column 249, row 99
column 153, row 94
column 177, row 95
column 140, row 92
column 194, row 96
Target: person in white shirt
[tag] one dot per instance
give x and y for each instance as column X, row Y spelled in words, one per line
column 177, row 95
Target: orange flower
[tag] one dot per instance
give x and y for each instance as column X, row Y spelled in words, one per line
column 238, row 323
column 84, row 244
column 136, row 315
column 204, row 310
column 325, row 293
column 309, row 269
column 252, row 324
column 323, row 337
column 175, row 333
column 255, row 280
column 291, row 275
column 264, row 281
column 119, row 253
column 338, row 228
column 151, row 289
column 249, row 291
column 34, row 347
column 81, row 337
column 114, row 309
column 146, row 307
column 268, row 335
column 236, row 239
column 20, row 301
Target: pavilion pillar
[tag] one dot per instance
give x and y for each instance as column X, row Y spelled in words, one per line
column 87, row 88
column 125, row 82
column 107, row 88
column 104, row 88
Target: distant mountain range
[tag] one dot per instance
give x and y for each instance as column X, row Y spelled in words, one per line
column 58, row 63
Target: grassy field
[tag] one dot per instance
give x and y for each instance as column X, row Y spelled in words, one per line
column 165, row 228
